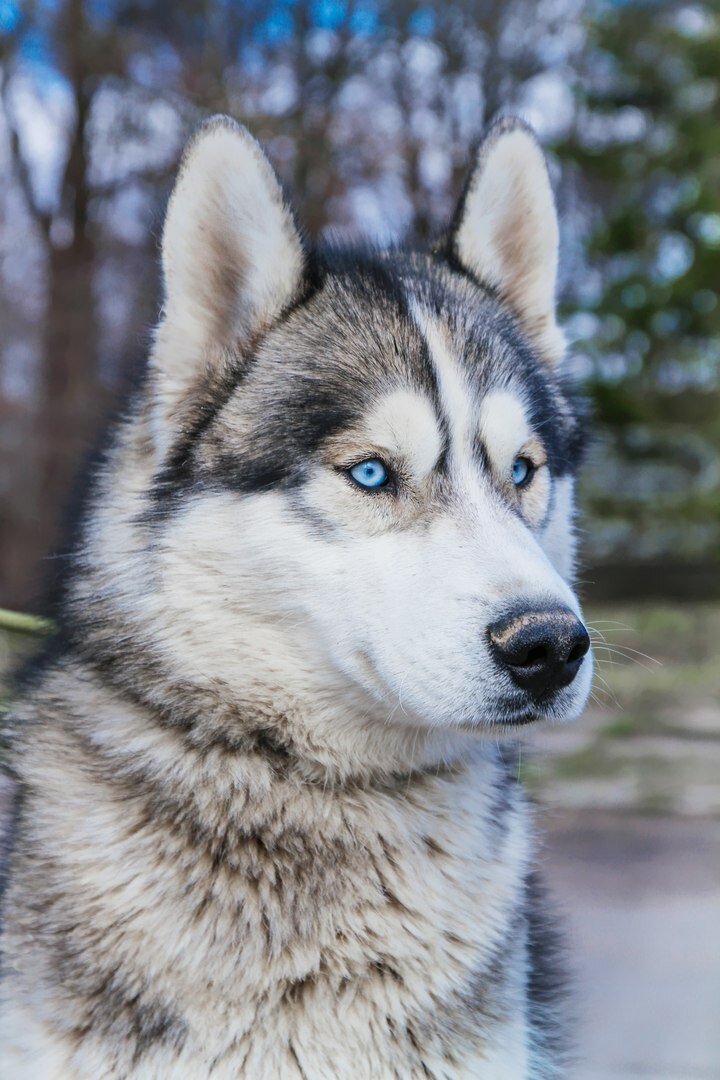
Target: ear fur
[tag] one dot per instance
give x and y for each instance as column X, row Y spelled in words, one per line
column 505, row 231
column 232, row 256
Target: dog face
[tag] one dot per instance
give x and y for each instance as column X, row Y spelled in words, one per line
column 366, row 460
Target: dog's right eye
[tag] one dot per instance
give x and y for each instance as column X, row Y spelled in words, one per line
column 370, row 474
column 522, row 471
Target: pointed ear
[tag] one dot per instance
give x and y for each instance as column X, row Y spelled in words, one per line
column 505, row 231
column 232, row 257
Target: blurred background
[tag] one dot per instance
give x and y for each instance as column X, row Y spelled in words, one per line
column 368, row 109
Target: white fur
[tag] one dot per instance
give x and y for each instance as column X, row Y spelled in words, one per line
column 404, row 424
column 558, row 532
column 452, row 382
column 504, row 428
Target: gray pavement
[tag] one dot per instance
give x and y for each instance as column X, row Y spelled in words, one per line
column 642, row 896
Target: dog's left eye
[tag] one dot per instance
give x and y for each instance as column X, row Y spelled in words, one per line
column 370, row 474
column 522, row 471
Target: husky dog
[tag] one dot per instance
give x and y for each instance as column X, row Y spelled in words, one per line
column 267, row 825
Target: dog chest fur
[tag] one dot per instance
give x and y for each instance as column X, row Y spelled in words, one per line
column 313, row 927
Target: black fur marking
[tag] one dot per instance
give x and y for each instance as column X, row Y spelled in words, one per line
column 480, row 452
column 518, row 368
column 177, row 470
column 370, row 271
column 490, row 345
column 178, row 465
column 126, row 1015
column 547, row 986
column 505, row 793
column 380, row 279
column 321, row 526
column 292, row 432
column 294, row 415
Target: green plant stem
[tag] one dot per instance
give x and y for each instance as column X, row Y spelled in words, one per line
column 17, row 622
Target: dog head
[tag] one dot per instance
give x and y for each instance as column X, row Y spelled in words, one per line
column 360, row 464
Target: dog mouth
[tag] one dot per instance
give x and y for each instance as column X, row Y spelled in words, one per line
column 521, row 719
column 517, row 717
column 554, row 708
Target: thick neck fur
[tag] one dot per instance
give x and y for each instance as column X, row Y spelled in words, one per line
column 188, row 854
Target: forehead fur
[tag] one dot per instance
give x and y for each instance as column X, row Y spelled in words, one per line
column 354, row 340
column 503, row 423
column 404, row 423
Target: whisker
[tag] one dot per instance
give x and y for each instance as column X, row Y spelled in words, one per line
column 616, row 650
column 605, row 660
column 637, row 652
column 607, row 689
column 614, row 623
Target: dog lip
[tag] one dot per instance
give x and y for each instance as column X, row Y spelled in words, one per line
column 513, row 713
column 520, row 720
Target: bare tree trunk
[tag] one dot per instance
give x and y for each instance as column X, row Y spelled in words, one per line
column 67, row 416
column 71, row 404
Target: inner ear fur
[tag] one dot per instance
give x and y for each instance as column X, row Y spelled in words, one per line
column 232, row 259
column 505, row 230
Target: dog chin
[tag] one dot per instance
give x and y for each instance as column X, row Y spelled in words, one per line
column 508, row 715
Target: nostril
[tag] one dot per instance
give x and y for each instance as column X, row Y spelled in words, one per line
column 578, row 646
column 536, row 655
column 577, row 652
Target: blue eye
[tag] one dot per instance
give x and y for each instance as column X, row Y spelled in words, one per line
column 370, row 474
column 522, row 470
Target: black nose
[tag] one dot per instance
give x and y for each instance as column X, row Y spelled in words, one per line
column 541, row 650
